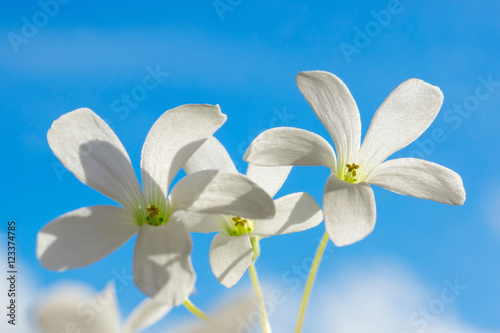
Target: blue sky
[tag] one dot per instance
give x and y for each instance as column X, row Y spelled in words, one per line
column 89, row 54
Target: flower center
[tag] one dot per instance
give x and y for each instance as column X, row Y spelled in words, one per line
column 154, row 217
column 350, row 175
column 239, row 226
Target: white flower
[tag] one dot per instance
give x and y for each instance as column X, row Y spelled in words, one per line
column 348, row 201
column 74, row 308
column 88, row 147
column 231, row 250
column 146, row 314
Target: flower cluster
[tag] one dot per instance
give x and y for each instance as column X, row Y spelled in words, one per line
column 215, row 197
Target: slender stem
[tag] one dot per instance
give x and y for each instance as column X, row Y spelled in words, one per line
column 266, row 328
column 194, row 310
column 310, row 282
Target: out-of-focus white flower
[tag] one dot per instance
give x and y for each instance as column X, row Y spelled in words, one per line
column 88, row 147
column 74, row 308
column 238, row 316
column 348, row 201
column 233, row 247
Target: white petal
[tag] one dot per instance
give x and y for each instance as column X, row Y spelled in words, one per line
column 421, row 179
column 73, row 309
column 405, row 114
column 230, row 257
column 233, row 317
column 204, row 223
column 211, row 155
column 349, row 211
column 83, row 236
column 174, row 137
column 148, row 313
column 87, row 146
column 162, row 262
column 285, row 146
column 218, row 192
column 335, row 107
column 271, row 179
column 294, row 212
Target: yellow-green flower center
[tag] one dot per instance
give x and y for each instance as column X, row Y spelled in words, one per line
column 239, row 226
column 154, row 215
column 350, row 175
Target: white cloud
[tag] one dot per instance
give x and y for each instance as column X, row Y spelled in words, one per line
column 84, row 52
column 24, row 295
column 491, row 203
column 381, row 298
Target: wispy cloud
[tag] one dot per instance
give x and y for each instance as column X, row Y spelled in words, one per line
column 25, row 294
column 491, row 206
column 88, row 52
column 381, row 298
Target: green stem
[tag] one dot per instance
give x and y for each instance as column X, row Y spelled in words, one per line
column 194, row 310
column 266, row 328
column 310, row 282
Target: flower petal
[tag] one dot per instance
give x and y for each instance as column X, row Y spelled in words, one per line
column 87, row 146
column 230, row 257
column 203, row 223
column 233, row 317
column 421, row 179
column 286, row 146
column 335, row 107
column 148, row 313
column 349, row 211
column 210, row 156
column 174, row 137
column 162, row 262
column 294, row 212
column 271, row 179
column 405, row 114
column 218, row 192
column 83, row 236
column 61, row 311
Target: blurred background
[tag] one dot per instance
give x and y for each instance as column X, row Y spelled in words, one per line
column 59, row 55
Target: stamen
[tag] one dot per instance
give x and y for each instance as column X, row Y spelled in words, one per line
column 351, row 173
column 240, row 226
column 154, row 211
column 154, row 218
column 352, row 167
